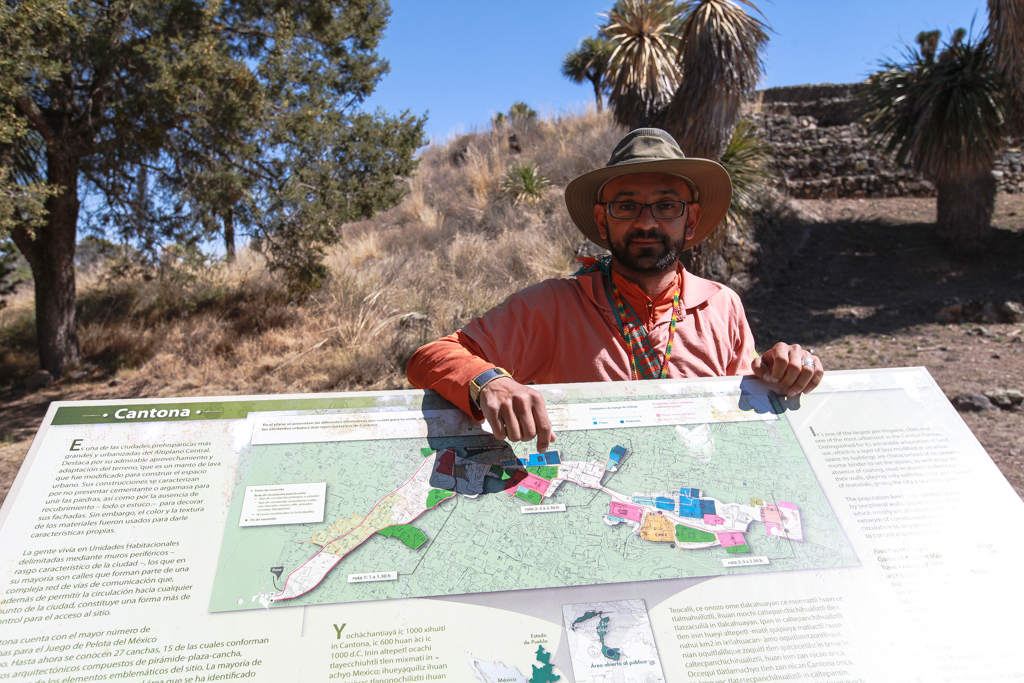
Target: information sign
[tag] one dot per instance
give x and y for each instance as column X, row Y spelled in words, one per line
column 676, row 530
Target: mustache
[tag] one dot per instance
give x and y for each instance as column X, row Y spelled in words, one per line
column 647, row 235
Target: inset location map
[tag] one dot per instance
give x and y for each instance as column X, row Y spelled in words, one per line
column 612, row 642
column 635, row 488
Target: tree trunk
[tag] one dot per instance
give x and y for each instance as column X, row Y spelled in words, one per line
column 50, row 253
column 229, row 235
column 964, row 207
column 597, row 95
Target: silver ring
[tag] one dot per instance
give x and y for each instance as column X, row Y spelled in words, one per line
column 808, row 362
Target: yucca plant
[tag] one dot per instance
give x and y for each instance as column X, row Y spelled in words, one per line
column 720, row 58
column 945, row 119
column 1006, row 36
column 521, row 111
column 642, row 71
column 746, row 158
column 524, row 182
column 928, row 41
column 589, row 62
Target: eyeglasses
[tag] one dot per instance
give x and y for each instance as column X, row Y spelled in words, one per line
column 667, row 208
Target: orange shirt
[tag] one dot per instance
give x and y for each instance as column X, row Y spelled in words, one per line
column 561, row 331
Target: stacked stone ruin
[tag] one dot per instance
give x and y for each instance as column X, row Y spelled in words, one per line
column 822, row 150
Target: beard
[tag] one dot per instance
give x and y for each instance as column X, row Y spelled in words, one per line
column 649, row 259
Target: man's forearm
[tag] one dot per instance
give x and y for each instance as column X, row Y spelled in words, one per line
column 446, row 366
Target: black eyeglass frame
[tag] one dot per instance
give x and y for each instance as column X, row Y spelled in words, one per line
column 608, row 209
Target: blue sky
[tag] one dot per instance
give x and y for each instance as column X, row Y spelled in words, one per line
column 460, row 61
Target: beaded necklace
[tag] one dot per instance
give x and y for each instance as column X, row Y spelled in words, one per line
column 643, row 358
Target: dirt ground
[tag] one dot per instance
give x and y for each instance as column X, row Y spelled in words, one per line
column 863, row 292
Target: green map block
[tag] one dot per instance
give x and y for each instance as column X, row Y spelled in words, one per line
column 602, row 631
column 501, row 472
column 437, row 495
column 587, row 616
column 409, row 535
column 427, row 452
column 738, row 549
column 546, row 672
column 531, row 496
column 685, row 534
column 548, row 473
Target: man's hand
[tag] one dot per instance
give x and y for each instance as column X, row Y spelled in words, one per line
column 783, row 365
column 516, row 412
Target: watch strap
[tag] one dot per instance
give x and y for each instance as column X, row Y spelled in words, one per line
column 482, row 380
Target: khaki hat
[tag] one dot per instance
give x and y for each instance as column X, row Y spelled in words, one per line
column 652, row 150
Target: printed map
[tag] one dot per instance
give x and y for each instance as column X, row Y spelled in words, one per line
column 612, row 642
column 415, row 517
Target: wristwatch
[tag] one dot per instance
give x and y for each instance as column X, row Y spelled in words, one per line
column 482, row 380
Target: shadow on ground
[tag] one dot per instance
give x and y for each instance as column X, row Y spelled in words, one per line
column 878, row 277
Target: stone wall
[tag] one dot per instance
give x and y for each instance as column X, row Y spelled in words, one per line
column 822, row 150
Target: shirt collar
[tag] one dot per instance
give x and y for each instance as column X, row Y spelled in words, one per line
column 696, row 290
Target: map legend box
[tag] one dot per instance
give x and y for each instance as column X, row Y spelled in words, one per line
column 283, row 504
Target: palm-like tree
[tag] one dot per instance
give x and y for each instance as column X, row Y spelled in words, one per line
column 1006, row 35
column 721, row 59
column 928, row 41
column 642, row 72
column 589, row 62
column 945, row 118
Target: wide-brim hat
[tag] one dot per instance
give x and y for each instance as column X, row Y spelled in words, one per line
column 652, row 150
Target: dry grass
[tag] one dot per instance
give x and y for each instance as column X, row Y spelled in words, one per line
column 452, row 249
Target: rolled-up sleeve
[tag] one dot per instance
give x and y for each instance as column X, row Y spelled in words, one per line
column 447, row 366
column 516, row 335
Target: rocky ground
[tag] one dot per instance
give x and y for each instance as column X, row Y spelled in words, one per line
column 868, row 288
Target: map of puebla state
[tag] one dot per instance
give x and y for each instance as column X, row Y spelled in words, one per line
column 408, row 518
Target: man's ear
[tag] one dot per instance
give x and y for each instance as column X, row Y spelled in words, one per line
column 692, row 218
column 601, row 218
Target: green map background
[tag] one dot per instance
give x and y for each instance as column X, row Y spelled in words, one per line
column 485, row 544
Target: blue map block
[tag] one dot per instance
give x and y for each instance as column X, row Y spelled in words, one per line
column 541, row 459
column 689, row 507
column 707, row 507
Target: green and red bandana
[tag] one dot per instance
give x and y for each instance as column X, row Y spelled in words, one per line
column 643, row 358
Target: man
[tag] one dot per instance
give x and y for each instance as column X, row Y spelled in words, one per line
column 636, row 315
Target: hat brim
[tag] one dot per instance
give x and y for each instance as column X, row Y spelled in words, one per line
column 712, row 181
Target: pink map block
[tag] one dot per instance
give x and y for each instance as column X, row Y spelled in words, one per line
column 535, row 483
column 630, row 512
column 731, row 538
column 713, row 520
column 788, row 506
column 770, row 514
